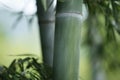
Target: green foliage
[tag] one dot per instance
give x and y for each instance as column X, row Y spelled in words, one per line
column 112, row 56
column 25, row 69
column 110, row 9
column 103, row 29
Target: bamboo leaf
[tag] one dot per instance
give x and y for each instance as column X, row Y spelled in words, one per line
column 61, row 0
column 12, row 64
column 44, row 3
column 24, row 54
column 19, row 18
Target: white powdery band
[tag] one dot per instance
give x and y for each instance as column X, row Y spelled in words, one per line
column 76, row 15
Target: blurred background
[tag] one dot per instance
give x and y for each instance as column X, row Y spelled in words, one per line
column 100, row 51
column 17, row 38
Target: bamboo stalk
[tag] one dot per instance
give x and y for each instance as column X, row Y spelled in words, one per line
column 67, row 40
column 46, row 20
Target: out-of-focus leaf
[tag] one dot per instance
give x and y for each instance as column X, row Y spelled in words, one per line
column 116, row 15
column 44, row 3
column 17, row 20
column 61, row 0
column 25, row 54
column 12, row 64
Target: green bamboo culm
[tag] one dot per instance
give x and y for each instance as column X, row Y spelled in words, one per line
column 67, row 40
column 46, row 18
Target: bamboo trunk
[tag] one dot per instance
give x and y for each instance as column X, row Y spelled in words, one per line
column 46, row 20
column 67, row 40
